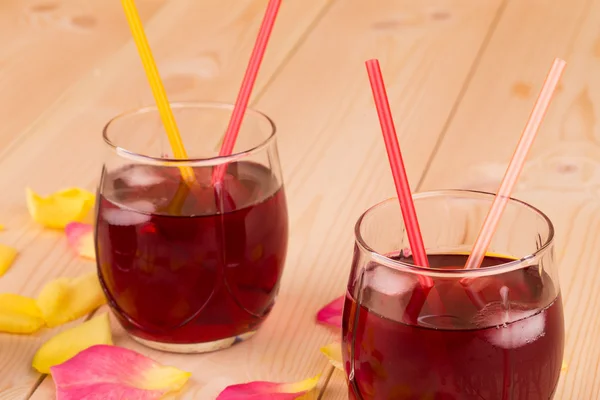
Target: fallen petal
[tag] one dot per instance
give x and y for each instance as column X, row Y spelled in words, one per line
column 7, row 256
column 19, row 304
column 269, row 390
column 19, row 314
column 60, row 208
column 19, row 323
column 81, row 239
column 64, row 300
column 51, row 297
column 67, row 344
column 333, row 351
column 114, row 373
column 331, row 314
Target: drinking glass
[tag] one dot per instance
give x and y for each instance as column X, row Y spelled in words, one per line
column 190, row 266
column 444, row 332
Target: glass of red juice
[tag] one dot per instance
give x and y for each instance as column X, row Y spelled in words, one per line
column 496, row 332
column 194, row 266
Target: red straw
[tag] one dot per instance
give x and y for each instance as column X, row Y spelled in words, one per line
column 516, row 165
column 398, row 170
column 243, row 98
column 407, row 206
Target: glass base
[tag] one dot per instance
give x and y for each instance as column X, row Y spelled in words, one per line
column 194, row 348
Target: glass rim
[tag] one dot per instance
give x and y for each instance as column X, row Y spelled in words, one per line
column 386, row 261
column 182, row 162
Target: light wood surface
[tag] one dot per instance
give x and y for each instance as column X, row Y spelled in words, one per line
column 563, row 172
column 462, row 77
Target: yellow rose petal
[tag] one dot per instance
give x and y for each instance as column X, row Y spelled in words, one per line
column 19, row 314
column 60, row 208
column 51, row 298
column 19, row 323
column 164, row 377
column 301, row 387
column 333, row 351
column 67, row 344
column 64, row 300
column 7, row 256
column 19, row 304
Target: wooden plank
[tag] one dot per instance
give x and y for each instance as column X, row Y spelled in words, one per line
column 213, row 42
column 348, row 167
column 562, row 176
column 37, row 38
column 322, row 119
column 49, row 45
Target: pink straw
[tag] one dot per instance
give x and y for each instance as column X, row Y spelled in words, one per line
column 407, row 206
column 516, row 165
column 245, row 92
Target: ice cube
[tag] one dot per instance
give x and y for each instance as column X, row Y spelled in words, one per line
column 389, row 282
column 235, row 196
column 518, row 334
column 139, row 176
column 135, row 213
column 514, row 327
column 504, row 291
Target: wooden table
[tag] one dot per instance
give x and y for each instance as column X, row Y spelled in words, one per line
column 462, row 77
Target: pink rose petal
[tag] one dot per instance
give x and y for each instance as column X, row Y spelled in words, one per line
column 331, row 314
column 268, row 390
column 114, row 373
column 81, row 239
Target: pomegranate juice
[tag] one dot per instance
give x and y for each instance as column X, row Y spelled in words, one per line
column 510, row 349
column 189, row 265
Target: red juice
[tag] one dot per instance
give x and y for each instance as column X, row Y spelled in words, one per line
column 191, row 266
column 510, row 349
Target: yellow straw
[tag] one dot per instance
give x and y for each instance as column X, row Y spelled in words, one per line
column 158, row 90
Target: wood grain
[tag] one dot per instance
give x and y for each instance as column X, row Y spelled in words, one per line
column 286, row 348
column 349, row 169
column 49, row 45
column 209, row 66
column 459, row 95
column 563, row 171
column 37, row 38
